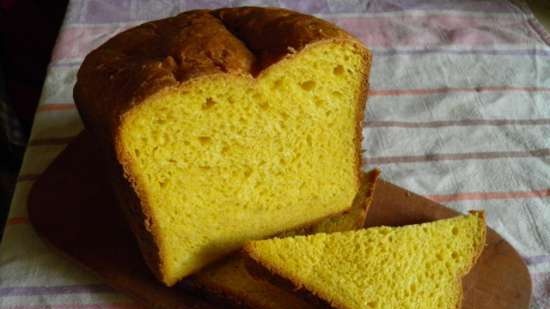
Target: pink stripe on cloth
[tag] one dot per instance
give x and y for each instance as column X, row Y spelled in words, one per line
column 455, row 123
column 52, row 141
column 54, row 290
column 429, row 91
column 74, row 42
column 545, row 152
column 16, row 221
column 439, row 30
column 372, row 92
column 480, row 196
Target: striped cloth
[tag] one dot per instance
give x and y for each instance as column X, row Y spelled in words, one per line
column 459, row 111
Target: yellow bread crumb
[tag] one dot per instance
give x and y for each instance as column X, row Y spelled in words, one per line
column 230, row 279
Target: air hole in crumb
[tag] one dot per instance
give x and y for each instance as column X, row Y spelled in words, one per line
column 284, row 115
column 277, row 84
column 204, row 140
column 372, row 304
column 204, row 167
column 172, row 161
column 455, row 231
column 319, row 102
column 264, row 105
column 454, row 255
column 247, row 172
column 225, row 150
column 337, row 94
column 162, row 184
column 308, row 140
column 208, row 104
column 308, row 85
column 136, row 152
column 338, row 70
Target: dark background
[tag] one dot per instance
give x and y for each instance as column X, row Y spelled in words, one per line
column 28, row 29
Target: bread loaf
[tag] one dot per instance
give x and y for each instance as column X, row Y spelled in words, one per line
column 416, row 266
column 225, row 126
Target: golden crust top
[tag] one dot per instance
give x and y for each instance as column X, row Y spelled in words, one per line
column 164, row 53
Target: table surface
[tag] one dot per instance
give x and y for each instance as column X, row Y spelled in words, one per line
column 459, row 111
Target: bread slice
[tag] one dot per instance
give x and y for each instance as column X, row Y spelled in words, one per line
column 230, row 280
column 228, row 125
column 416, row 266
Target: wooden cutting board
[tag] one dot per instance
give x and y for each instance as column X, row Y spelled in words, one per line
column 71, row 206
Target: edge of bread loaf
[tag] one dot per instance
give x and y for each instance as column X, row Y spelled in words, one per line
column 104, row 121
column 267, row 272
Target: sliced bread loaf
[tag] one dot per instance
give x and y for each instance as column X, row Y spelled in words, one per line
column 416, row 266
column 228, row 125
column 230, row 280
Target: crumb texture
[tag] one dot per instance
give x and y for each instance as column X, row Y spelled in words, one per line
column 221, row 161
column 230, row 279
column 417, row 266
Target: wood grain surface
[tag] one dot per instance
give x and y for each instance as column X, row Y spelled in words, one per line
column 71, row 206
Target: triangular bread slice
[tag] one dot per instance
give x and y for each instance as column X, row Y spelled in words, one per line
column 230, row 280
column 416, row 266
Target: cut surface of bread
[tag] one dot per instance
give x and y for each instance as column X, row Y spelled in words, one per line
column 229, row 125
column 230, row 280
column 416, row 266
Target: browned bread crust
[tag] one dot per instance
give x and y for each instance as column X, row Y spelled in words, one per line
column 139, row 62
column 262, row 272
